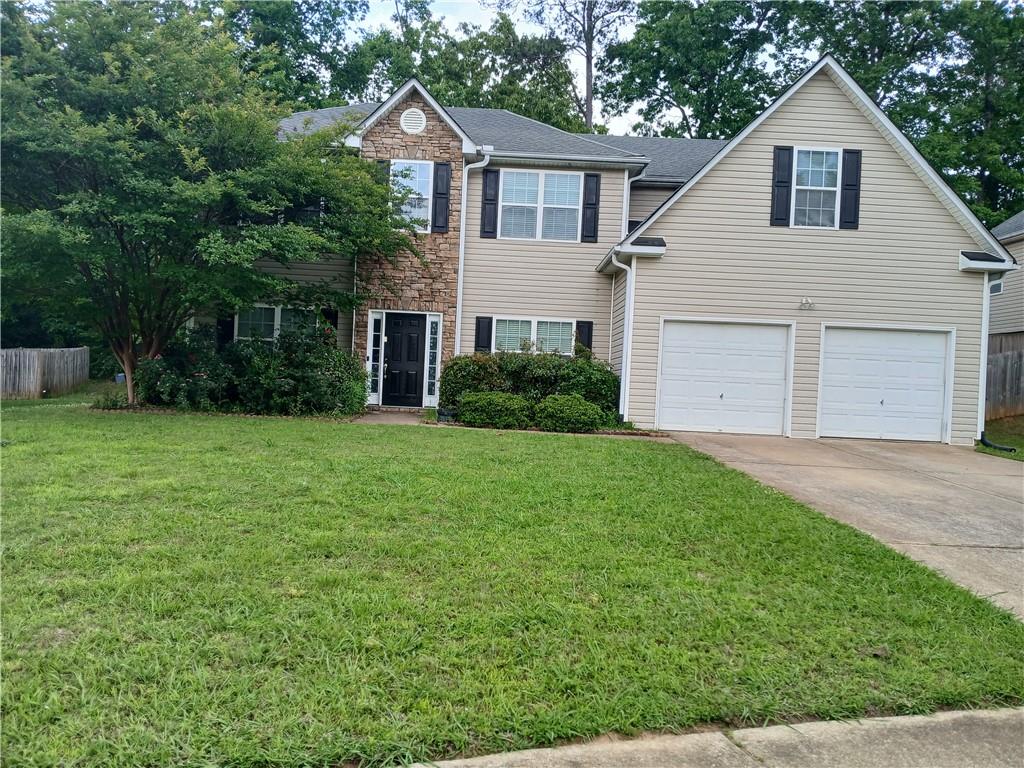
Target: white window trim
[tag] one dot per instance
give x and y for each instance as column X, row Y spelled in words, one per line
column 839, row 186
column 430, row 186
column 277, row 319
column 533, row 331
column 540, row 206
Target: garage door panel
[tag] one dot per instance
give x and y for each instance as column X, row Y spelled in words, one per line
column 723, row 377
column 881, row 383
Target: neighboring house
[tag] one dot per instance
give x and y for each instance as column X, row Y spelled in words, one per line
column 811, row 277
column 1006, row 323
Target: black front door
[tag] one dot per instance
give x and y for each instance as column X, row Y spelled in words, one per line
column 405, row 339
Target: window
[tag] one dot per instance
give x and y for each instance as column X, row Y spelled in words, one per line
column 515, row 335
column 256, row 323
column 414, row 179
column 816, row 196
column 541, row 205
column 995, row 285
column 512, row 335
column 266, row 322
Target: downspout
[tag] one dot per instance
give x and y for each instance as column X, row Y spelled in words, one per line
column 627, row 338
column 462, row 246
column 986, row 305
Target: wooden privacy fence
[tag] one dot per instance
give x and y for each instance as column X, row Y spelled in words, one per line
column 1004, row 395
column 27, row 373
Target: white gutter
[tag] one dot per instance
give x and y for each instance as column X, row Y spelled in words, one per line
column 462, row 243
column 627, row 339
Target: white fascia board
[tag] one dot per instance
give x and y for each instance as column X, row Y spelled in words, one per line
column 549, row 159
column 895, row 136
column 412, row 83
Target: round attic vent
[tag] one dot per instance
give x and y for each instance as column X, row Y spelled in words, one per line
column 413, row 121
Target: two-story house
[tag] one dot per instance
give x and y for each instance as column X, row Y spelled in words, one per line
column 813, row 276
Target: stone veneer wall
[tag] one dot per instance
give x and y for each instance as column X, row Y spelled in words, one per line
column 426, row 283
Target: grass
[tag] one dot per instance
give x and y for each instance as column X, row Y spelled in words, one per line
column 212, row 590
column 1009, row 432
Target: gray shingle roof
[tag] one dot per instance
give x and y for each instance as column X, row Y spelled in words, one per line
column 504, row 130
column 671, row 159
column 1012, row 227
column 509, row 132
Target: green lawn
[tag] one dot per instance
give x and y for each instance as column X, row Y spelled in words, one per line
column 1009, row 432
column 210, row 590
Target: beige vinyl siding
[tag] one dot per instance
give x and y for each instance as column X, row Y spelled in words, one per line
column 1006, row 314
column 540, row 278
column 644, row 200
column 724, row 260
column 619, row 287
column 339, row 272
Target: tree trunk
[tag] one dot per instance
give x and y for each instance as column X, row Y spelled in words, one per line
column 124, row 353
column 588, row 115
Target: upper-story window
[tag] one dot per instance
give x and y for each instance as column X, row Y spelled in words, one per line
column 816, row 192
column 540, row 205
column 414, row 178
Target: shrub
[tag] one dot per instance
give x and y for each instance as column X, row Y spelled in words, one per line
column 111, row 401
column 568, row 413
column 468, row 373
column 593, row 380
column 188, row 375
column 533, row 376
column 500, row 410
column 302, row 372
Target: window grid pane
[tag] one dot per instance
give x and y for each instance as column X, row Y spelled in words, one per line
column 375, row 355
column 511, row 335
column 432, row 359
column 560, row 224
column 554, row 337
column 518, row 221
column 412, row 179
column 256, row 323
column 519, row 187
column 293, row 319
column 561, row 189
column 814, row 208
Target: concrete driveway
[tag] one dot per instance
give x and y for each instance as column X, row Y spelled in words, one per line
column 955, row 510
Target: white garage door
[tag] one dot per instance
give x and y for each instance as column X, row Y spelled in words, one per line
column 723, row 377
column 883, row 384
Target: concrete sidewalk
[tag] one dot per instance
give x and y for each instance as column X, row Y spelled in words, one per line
column 982, row 739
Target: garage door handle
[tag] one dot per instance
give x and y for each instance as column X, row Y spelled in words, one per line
column 721, row 396
column 881, row 402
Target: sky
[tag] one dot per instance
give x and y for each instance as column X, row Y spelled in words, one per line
column 455, row 12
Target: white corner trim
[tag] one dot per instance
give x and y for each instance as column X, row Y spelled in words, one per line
column 627, row 334
column 895, row 137
column 411, row 84
column 626, row 190
column 986, row 305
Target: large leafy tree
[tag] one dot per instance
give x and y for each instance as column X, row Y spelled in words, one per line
column 495, row 67
column 584, row 26
column 293, row 45
column 948, row 74
column 698, row 69
column 144, row 177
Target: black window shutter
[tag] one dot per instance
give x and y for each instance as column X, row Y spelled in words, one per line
column 482, row 343
column 849, row 201
column 782, row 186
column 331, row 316
column 585, row 333
column 384, row 171
column 591, row 204
column 442, row 193
column 489, row 206
column 225, row 330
